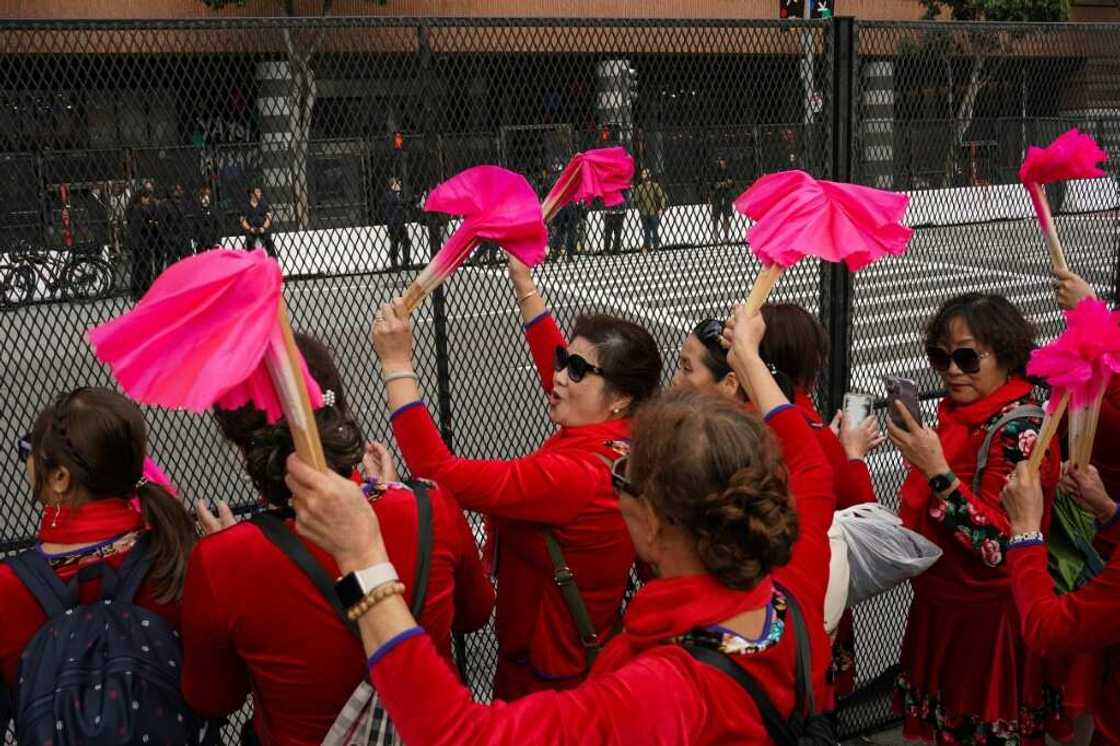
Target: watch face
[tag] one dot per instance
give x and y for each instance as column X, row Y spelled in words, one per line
column 349, row 590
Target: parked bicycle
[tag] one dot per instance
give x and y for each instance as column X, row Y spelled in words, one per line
column 70, row 275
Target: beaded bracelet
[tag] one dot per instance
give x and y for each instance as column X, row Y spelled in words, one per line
column 373, row 598
column 1031, row 537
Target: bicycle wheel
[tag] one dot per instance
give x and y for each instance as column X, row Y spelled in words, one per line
column 17, row 285
column 86, row 278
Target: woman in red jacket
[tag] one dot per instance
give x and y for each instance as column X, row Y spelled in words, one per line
column 966, row 674
column 85, row 461
column 253, row 621
column 708, row 501
column 562, row 490
column 1083, row 621
column 795, row 346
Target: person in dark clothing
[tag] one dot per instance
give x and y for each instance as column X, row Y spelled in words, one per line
column 723, row 188
column 208, row 221
column 256, row 221
column 614, row 218
column 393, row 213
column 567, row 224
column 144, row 241
column 178, row 216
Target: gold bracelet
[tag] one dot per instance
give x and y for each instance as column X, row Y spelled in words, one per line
column 527, row 296
column 374, row 597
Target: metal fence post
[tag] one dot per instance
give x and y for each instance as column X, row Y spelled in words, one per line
column 836, row 280
column 439, row 299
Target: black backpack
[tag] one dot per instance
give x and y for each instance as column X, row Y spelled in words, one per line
column 804, row 726
column 106, row 672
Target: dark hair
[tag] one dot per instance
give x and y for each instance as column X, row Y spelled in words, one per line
column 993, row 321
column 100, row 437
column 795, row 343
column 715, row 356
column 716, row 471
column 627, row 352
column 266, row 447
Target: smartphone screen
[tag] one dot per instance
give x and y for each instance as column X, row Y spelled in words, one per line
column 905, row 391
column 857, row 408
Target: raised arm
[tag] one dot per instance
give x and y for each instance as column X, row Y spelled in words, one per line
column 654, row 700
column 541, row 331
column 547, row 487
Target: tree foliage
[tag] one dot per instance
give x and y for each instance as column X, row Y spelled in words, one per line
column 999, row 10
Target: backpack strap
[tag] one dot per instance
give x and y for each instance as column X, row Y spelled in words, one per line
column 276, row 532
column 132, row 572
column 423, row 546
column 777, row 727
column 1021, row 412
column 806, row 701
column 36, row 574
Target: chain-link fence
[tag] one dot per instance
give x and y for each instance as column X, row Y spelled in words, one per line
column 126, row 145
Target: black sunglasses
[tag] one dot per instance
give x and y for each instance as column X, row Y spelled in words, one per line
column 966, row 358
column 618, row 479
column 576, row 365
column 23, row 447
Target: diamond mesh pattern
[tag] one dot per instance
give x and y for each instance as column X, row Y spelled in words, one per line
column 320, row 113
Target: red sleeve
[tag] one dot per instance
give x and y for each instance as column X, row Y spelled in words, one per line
column 549, row 487
column 978, row 520
column 544, row 336
column 215, row 680
column 652, row 700
column 1081, row 621
column 852, row 479
column 860, row 487
column 474, row 594
column 810, row 483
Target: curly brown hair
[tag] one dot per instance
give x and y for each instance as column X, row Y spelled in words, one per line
column 717, row 471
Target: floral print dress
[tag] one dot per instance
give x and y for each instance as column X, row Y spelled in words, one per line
column 966, row 675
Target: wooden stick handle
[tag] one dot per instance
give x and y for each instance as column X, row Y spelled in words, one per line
column 419, row 289
column 551, row 204
column 1046, row 221
column 763, row 284
column 1049, row 428
column 282, row 361
column 1081, row 446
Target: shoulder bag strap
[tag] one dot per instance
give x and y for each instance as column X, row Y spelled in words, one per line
column 776, row 725
column 36, row 574
column 287, row 542
column 423, row 546
column 803, row 680
column 566, row 581
column 132, row 571
column 1021, row 412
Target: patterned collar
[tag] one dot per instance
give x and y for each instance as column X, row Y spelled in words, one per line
column 728, row 642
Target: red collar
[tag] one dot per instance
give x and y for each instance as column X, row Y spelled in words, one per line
column 94, row 520
column 665, row 608
column 805, row 403
column 605, row 431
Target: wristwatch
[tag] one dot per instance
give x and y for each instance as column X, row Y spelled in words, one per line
column 942, row 482
column 353, row 587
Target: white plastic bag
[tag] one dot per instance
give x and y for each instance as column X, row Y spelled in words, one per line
column 881, row 552
column 836, row 598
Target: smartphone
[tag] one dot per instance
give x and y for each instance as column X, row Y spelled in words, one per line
column 905, row 391
column 857, row 408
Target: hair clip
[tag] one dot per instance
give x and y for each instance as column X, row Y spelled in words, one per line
column 328, row 398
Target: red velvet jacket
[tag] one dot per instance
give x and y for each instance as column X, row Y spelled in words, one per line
column 1084, row 621
column 851, row 476
column 253, row 621
column 1106, row 457
column 642, row 690
column 565, row 486
column 22, row 616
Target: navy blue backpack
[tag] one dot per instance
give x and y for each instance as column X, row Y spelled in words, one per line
column 100, row 673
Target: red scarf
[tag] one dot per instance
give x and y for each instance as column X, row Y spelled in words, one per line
column 956, row 426
column 666, row 608
column 94, row 520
